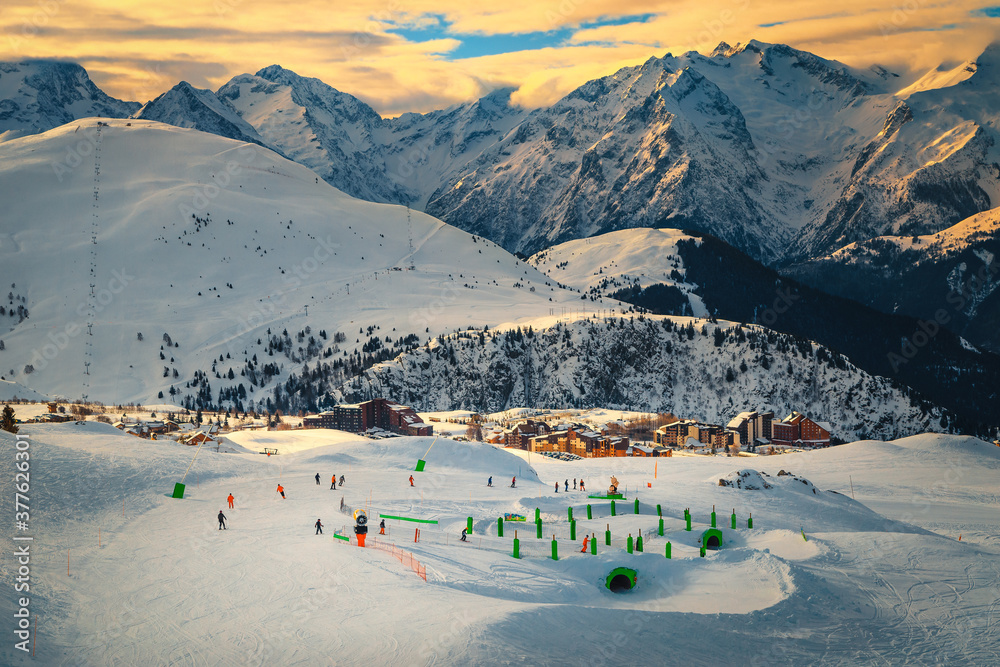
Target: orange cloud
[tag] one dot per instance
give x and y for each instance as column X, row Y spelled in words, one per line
column 136, row 51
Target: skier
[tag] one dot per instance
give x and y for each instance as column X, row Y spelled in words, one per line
column 581, row 486
column 230, row 499
column 319, row 527
column 574, row 483
column 584, row 549
column 557, row 487
column 341, row 480
column 317, row 479
column 222, row 521
column 333, row 482
column 464, row 533
column 489, row 482
column 411, row 480
column 381, row 527
column 566, row 484
column 281, row 490
column 513, row 482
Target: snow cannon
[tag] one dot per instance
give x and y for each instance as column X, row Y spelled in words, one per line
column 361, row 527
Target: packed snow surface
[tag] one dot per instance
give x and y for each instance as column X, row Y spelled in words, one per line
column 121, row 573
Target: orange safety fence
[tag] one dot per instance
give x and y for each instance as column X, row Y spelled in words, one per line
column 403, row 556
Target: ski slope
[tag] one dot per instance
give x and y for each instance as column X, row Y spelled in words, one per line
column 882, row 578
column 220, row 244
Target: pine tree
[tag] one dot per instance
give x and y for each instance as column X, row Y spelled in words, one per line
column 7, row 422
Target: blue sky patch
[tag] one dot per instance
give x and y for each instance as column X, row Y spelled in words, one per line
column 992, row 12
column 473, row 45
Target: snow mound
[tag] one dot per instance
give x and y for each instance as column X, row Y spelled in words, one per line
column 750, row 480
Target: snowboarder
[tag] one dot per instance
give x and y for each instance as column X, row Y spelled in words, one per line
column 230, row 499
column 317, row 479
column 489, row 482
column 513, row 482
column 411, row 480
column 281, row 490
column 584, row 549
column 557, row 487
column 581, row 486
column 319, row 527
column 381, row 527
column 341, row 480
column 566, row 483
column 464, row 533
column 333, row 482
column 222, row 521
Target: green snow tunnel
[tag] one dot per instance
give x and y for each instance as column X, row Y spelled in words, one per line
column 712, row 538
column 620, row 579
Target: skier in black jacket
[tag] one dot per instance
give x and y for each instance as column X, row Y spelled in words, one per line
column 222, row 521
column 319, row 527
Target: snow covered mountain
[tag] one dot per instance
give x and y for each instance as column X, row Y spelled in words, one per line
column 781, row 153
column 236, row 265
column 670, row 272
column 332, row 133
column 950, row 277
column 935, row 162
column 39, row 95
column 400, row 160
column 774, row 150
column 694, row 368
column 187, row 106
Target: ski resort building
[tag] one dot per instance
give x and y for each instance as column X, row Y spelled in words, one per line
column 751, row 426
column 584, row 443
column 797, row 430
column 677, row 433
column 376, row 413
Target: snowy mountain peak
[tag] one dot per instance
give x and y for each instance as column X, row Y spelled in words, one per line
column 38, row 95
column 190, row 107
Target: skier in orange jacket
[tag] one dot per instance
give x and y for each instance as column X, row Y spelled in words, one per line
column 411, row 480
column 281, row 490
column 584, row 549
column 230, row 499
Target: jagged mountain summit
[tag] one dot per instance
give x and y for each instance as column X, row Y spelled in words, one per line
column 187, row 106
column 396, row 160
column 38, row 95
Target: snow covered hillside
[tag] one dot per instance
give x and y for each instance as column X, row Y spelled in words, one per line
column 694, row 368
column 669, row 272
column 235, row 265
column 120, row 573
column 39, row 95
column 622, row 260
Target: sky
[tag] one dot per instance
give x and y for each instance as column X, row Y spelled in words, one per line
column 420, row 55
